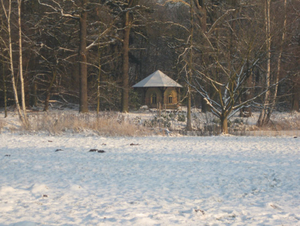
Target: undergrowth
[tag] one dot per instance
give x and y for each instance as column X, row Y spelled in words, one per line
column 281, row 124
column 117, row 124
column 2, row 124
column 105, row 124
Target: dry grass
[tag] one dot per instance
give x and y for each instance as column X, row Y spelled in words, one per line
column 2, row 124
column 117, row 124
column 286, row 125
column 106, row 124
column 281, row 124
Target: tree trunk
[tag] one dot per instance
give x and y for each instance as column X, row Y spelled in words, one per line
column 264, row 112
column 4, row 88
column 296, row 95
column 21, row 62
column 48, row 94
column 189, row 111
column 125, row 51
column 98, row 81
column 8, row 17
column 273, row 101
column 34, row 98
column 247, row 111
column 224, row 124
column 203, row 105
column 5, row 96
column 125, row 76
column 189, row 74
column 200, row 5
column 83, row 99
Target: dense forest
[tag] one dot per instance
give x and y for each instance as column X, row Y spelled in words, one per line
column 230, row 55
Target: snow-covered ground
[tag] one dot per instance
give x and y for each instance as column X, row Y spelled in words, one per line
column 223, row 180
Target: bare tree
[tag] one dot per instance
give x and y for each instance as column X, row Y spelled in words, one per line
column 270, row 98
column 274, row 97
column 125, row 68
column 262, row 120
column 128, row 20
column 78, row 11
column 189, row 73
column 221, row 77
column 7, row 12
column 21, row 62
column 80, row 14
column 82, row 55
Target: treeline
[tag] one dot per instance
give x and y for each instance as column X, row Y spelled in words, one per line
column 230, row 55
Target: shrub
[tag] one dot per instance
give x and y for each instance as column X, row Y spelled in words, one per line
column 181, row 118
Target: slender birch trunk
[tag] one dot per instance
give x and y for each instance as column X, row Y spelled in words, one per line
column 8, row 17
column 278, row 66
column 21, row 63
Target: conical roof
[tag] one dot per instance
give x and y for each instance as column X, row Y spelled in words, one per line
column 157, row 79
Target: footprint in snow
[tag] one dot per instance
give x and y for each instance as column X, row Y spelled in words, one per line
column 132, row 144
column 93, row 150
column 96, row 150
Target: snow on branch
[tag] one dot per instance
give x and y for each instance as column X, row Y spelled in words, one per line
column 60, row 10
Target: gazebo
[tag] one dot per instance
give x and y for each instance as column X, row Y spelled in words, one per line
column 157, row 89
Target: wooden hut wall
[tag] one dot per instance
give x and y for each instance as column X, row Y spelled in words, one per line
column 170, row 98
column 149, row 95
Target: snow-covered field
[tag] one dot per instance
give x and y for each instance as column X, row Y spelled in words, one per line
column 224, row 180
